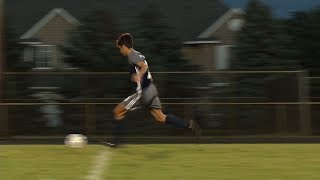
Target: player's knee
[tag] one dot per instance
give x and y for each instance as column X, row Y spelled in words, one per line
column 117, row 115
column 159, row 118
column 118, row 118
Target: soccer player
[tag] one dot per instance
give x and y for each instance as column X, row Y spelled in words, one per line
column 146, row 92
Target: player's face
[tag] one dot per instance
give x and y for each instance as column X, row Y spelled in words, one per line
column 122, row 50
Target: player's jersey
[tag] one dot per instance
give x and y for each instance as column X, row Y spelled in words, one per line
column 134, row 58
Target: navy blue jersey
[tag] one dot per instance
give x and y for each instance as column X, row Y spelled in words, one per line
column 134, row 58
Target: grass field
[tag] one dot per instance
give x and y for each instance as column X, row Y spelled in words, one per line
column 161, row 162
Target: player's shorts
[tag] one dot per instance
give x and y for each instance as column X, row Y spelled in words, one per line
column 148, row 98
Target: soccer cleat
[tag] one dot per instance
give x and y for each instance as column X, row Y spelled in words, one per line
column 107, row 144
column 196, row 130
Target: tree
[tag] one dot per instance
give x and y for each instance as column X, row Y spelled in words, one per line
column 264, row 43
column 91, row 47
column 162, row 48
column 14, row 52
column 286, row 56
column 304, row 27
column 256, row 50
column 17, row 85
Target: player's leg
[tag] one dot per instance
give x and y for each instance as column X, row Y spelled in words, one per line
column 156, row 112
column 119, row 112
column 158, row 115
column 169, row 119
column 150, row 96
column 129, row 104
column 177, row 122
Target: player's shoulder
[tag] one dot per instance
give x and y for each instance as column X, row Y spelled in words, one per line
column 136, row 56
column 139, row 54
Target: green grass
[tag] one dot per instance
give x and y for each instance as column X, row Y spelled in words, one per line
column 164, row 162
column 45, row 162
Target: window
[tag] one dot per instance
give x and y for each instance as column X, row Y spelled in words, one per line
column 235, row 24
column 43, row 56
column 222, row 57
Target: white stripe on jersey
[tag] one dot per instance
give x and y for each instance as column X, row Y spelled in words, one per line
column 138, row 84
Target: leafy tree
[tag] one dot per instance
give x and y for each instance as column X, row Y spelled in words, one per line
column 162, row 48
column 156, row 38
column 304, row 27
column 256, row 50
column 286, row 56
column 91, row 47
column 14, row 52
column 17, row 85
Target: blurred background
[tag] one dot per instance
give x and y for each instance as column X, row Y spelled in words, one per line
column 246, row 67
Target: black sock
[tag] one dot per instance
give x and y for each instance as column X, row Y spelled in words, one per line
column 177, row 122
column 118, row 131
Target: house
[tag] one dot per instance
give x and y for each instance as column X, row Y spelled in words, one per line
column 211, row 49
column 207, row 27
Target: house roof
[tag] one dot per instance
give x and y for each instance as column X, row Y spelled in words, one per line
column 46, row 19
column 219, row 22
column 209, row 40
column 188, row 18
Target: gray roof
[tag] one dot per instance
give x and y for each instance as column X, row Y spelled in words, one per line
column 188, row 18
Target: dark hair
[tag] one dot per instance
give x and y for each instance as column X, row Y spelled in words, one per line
column 125, row 39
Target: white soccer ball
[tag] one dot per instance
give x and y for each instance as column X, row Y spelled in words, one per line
column 75, row 140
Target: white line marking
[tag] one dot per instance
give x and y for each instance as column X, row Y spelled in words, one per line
column 100, row 164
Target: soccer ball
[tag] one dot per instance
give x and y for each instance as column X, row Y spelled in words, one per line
column 75, row 140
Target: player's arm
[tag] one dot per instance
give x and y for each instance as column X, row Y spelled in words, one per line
column 137, row 77
column 143, row 68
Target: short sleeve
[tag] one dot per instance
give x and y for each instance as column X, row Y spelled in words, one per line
column 136, row 59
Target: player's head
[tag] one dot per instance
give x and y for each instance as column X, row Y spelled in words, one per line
column 125, row 43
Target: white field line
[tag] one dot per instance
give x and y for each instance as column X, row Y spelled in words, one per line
column 99, row 165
